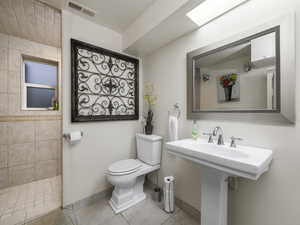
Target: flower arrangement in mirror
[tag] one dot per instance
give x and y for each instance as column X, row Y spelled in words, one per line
column 150, row 100
column 227, row 82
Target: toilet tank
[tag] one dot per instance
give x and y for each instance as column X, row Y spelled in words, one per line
column 149, row 148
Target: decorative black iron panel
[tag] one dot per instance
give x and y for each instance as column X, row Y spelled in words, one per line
column 104, row 84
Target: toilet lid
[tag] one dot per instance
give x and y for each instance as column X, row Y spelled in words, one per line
column 124, row 166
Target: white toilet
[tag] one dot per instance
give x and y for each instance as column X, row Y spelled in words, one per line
column 128, row 175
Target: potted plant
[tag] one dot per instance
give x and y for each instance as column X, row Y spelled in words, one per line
column 227, row 82
column 150, row 100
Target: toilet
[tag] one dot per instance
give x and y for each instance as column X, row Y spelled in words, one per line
column 127, row 176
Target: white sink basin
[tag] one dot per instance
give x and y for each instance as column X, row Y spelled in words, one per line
column 248, row 162
column 218, row 163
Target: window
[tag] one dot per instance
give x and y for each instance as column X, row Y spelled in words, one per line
column 40, row 90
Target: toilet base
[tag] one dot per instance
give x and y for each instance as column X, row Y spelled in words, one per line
column 118, row 209
column 124, row 198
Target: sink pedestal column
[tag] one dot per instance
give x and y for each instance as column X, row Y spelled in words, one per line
column 214, row 196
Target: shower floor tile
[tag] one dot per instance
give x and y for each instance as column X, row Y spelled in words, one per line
column 23, row 203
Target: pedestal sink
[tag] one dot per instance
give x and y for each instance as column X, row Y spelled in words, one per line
column 218, row 163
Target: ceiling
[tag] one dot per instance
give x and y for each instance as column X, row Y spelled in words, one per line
column 114, row 14
column 31, row 20
column 145, row 25
column 173, row 26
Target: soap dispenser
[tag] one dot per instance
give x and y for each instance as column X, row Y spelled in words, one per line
column 195, row 130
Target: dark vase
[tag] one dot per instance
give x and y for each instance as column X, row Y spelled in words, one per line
column 228, row 93
column 148, row 129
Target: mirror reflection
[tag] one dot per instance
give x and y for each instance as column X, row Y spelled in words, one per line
column 239, row 77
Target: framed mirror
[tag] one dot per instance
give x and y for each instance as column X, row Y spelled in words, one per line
column 245, row 74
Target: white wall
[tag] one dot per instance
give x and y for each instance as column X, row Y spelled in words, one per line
column 85, row 164
column 275, row 198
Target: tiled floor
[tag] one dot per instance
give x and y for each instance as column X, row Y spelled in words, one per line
column 100, row 213
column 23, row 203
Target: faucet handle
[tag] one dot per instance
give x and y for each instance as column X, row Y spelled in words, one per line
column 210, row 139
column 233, row 139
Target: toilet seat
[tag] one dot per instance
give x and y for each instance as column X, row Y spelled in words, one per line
column 124, row 167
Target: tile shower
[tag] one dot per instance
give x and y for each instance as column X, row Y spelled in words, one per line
column 30, row 141
column 30, row 151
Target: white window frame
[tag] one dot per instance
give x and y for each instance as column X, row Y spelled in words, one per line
column 28, row 85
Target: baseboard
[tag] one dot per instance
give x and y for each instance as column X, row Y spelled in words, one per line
column 186, row 207
column 91, row 199
column 189, row 209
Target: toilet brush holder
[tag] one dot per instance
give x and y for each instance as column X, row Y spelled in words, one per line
column 156, row 196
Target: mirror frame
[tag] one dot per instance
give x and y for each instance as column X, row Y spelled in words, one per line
column 285, row 67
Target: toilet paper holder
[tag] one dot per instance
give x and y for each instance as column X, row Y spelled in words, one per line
column 67, row 135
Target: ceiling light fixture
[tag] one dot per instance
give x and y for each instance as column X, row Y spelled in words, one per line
column 209, row 10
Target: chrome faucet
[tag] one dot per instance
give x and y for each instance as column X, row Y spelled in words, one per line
column 210, row 139
column 220, row 138
column 233, row 139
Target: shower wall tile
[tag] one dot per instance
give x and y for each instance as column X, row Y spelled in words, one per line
column 3, row 104
column 29, row 150
column 3, row 133
column 14, row 63
column 14, row 82
column 59, row 149
column 47, row 130
column 22, row 45
column 59, row 167
column 48, row 52
column 21, row 154
column 14, row 104
column 47, row 150
column 30, row 48
column 59, row 158
column 3, row 58
column 4, row 180
column 45, row 169
column 21, row 174
column 21, row 132
column 24, row 154
column 3, row 156
column 3, row 80
column 4, row 40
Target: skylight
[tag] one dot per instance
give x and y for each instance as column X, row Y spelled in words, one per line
column 212, row 9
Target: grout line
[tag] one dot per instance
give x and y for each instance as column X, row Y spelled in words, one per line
column 73, row 212
column 125, row 219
